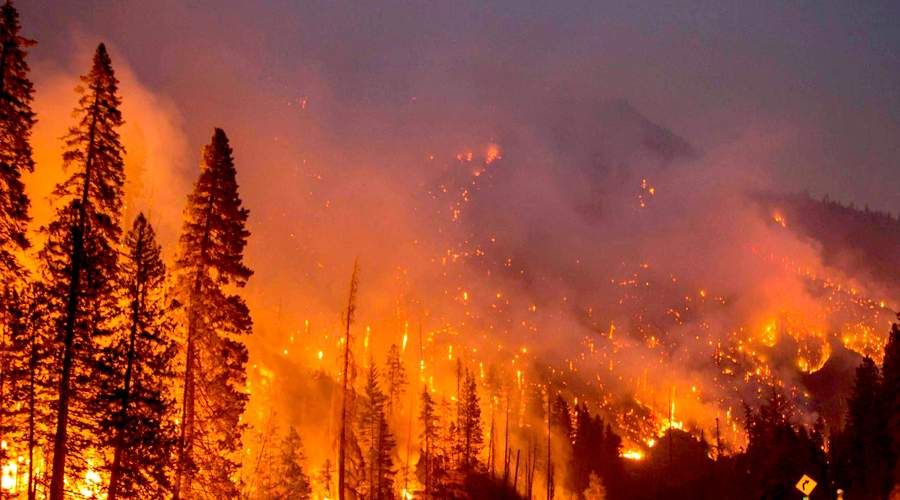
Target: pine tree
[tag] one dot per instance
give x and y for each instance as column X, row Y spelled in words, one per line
column 16, row 122
column 138, row 424
column 292, row 482
column 588, row 441
column 778, row 451
column 210, row 268
column 428, row 453
column 446, row 448
column 263, row 476
column 383, row 464
column 27, row 417
column 12, row 371
column 866, row 435
column 324, row 478
column 356, row 480
column 470, row 427
column 595, row 489
column 610, row 459
column 377, row 438
column 345, row 438
column 395, row 377
column 563, row 431
column 595, row 450
column 356, row 471
column 79, row 261
column 455, row 426
column 890, row 405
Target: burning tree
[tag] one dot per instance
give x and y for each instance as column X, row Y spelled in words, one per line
column 595, row 450
column 470, row 427
column 292, row 482
column 431, row 460
column 263, row 476
column 27, row 398
column 864, row 454
column 324, row 478
column 595, row 489
column 139, row 405
column 210, row 266
column 80, row 265
column 345, row 437
column 376, row 434
column 395, row 378
column 778, row 450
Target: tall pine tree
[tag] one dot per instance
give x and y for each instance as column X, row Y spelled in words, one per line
column 778, row 450
column 346, row 442
column 470, row 427
column 865, row 435
column 395, row 378
column 16, row 122
column 376, row 435
column 27, row 400
column 292, row 482
column 890, row 405
column 430, row 469
column 80, row 260
column 139, row 413
column 210, row 268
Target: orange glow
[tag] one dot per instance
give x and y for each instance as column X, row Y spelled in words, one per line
column 779, row 219
column 610, row 341
column 492, row 154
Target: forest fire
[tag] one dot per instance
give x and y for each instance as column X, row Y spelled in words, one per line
column 554, row 300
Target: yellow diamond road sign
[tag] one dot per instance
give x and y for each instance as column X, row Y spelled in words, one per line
column 806, row 484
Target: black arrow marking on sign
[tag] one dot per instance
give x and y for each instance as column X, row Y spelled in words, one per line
column 803, row 486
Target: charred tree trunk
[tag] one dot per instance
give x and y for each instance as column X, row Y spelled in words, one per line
column 32, row 407
column 342, row 443
column 549, row 463
column 491, row 445
column 506, row 454
column 184, row 473
column 516, row 474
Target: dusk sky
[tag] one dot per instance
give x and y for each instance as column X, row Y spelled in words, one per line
column 819, row 80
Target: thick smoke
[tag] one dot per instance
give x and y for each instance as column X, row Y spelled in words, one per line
column 157, row 161
column 351, row 153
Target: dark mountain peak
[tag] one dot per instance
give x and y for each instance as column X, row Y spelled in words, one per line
column 654, row 137
column 606, row 133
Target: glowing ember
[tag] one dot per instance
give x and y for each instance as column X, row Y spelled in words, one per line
column 779, row 219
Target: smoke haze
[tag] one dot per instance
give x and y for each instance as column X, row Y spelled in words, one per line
column 514, row 177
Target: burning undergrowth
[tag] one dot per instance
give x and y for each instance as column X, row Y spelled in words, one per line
column 647, row 281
